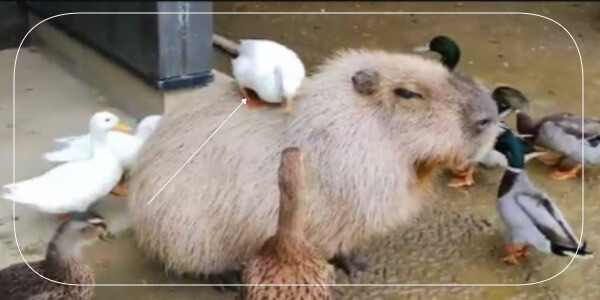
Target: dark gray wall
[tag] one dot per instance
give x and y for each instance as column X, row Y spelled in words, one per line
column 13, row 25
column 168, row 51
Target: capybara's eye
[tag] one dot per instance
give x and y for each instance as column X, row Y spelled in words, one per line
column 407, row 94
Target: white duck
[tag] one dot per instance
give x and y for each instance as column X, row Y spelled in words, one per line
column 125, row 146
column 273, row 71
column 75, row 185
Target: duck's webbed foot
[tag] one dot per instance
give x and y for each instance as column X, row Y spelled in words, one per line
column 463, row 178
column 64, row 217
column 513, row 253
column 251, row 101
column 566, row 174
column 119, row 190
column 287, row 106
column 221, row 281
column 550, row 158
column 351, row 263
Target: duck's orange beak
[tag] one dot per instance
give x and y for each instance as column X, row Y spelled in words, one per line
column 122, row 126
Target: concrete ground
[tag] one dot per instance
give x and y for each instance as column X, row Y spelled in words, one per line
column 457, row 239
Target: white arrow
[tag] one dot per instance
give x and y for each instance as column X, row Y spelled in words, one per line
column 189, row 159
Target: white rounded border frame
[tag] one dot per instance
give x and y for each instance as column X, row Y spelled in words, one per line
column 309, row 13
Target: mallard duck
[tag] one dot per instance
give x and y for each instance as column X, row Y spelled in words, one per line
column 561, row 133
column 531, row 217
column 287, row 258
column 63, row 263
column 494, row 158
column 449, row 53
column 75, row 185
column 271, row 70
column 446, row 47
column 509, row 103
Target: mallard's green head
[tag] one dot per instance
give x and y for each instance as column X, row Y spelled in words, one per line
column 448, row 49
column 509, row 99
column 512, row 148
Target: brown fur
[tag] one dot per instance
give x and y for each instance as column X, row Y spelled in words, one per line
column 361, row 156
column 287, row 258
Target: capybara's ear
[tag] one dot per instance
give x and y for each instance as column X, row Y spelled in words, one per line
column 366, row 81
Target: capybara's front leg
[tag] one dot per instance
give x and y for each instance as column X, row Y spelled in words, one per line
column 220, row 281
column 350, row 263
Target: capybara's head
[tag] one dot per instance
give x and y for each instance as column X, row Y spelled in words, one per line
column 434, row 117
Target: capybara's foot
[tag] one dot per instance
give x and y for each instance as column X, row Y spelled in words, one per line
column 222, row 282
column 349, row 263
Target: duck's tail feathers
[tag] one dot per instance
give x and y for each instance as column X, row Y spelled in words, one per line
column 582, row 253
column 66, row 154
column 227, row 45
column 9, row 192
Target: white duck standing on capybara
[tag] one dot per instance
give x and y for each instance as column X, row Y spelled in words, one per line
column 368, row 157
column 271, row 70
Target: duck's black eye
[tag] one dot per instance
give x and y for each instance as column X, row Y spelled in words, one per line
column 406, row 94
column 107, row 119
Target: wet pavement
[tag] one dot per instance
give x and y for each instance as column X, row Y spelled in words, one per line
column 457, row 239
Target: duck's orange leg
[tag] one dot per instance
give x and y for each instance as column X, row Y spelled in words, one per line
column 463, row 178
column 119, row 190
column 566, row 174
column 513, row 253
column 550, row 158
column 287, row 106
column 251, row 102
column 64, row 217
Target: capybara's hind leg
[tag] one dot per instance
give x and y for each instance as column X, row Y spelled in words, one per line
column 220, row 281
column 351, row 263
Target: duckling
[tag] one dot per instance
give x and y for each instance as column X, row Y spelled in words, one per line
column 531, row 217
column 271, row 70
column 75, row 185
column 125, row 146
column 562, row 133
column 286, row 257
column 63, row 263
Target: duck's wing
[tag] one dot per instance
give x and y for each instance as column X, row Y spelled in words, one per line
column 547, row 218
column 73, row 148
column 19, row 282
column 575, row 125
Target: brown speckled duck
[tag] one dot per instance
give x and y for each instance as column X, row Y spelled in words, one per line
column 63, row 263
column 286, row 257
